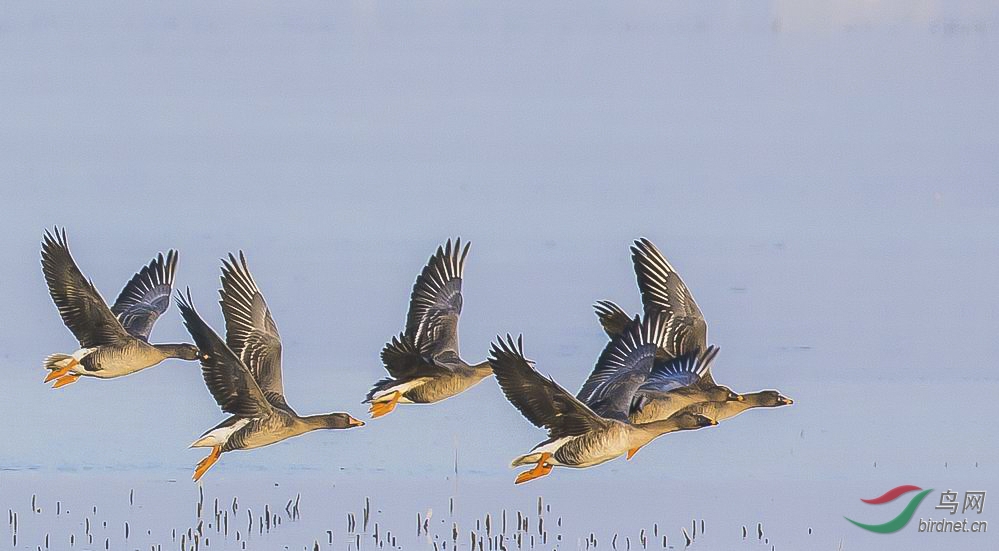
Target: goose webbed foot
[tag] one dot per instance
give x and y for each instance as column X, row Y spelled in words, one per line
column 64, row 380
column 207, row 463
column 541, row 469
column 384, row 407
column 62, row 371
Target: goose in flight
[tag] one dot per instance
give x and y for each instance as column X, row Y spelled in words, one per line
column 113, row 341
column 423, row 362
column 243, row 374
column 681, row 376
column 583, row 434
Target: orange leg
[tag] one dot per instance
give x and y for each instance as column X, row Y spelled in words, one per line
column 381, row 408
column 207, row 463
column 56, row 373
column 539, row 470
column 66, row 380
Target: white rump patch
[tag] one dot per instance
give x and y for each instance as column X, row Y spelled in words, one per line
column 220, row 435
column 535, row 454
column 400, row 388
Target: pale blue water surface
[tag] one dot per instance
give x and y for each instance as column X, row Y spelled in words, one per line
column 826, row 179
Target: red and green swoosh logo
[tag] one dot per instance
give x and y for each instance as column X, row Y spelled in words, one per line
column 895, row 524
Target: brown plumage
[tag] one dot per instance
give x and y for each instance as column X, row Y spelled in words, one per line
column 423, row 362
column 681, row 377
column 244, row 373
column 113, row 341
column 583, row 434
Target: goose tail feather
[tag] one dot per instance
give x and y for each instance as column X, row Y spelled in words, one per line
column 57, row 361
column 528, row 459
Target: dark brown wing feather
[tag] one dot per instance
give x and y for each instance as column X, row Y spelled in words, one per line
column 250, row 330
column 612, row 318
column 146, row 296
column 404, row 361
column 540, row 399
column 437, row 297
column 664, row 292
column 230, row 382
column 82, row 309
column 622, row 368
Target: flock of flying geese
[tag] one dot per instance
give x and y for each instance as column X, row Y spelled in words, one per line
column 653, row 377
